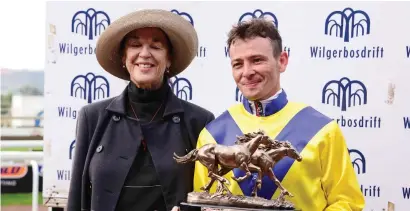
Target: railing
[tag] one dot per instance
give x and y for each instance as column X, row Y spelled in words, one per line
column 4, row 117
column 8, row 121
column 20, row 143
column 29, row 157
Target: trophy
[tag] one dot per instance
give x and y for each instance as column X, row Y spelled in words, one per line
column 253, row 153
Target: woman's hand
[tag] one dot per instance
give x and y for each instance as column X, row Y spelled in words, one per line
column 175, row 208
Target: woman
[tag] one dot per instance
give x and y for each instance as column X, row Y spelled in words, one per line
column 124, row 145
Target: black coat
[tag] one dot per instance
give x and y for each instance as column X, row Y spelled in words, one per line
column 104, row 130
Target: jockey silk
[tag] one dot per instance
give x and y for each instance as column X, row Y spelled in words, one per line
column 323, row 180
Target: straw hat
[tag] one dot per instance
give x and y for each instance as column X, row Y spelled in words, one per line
column 181, row 33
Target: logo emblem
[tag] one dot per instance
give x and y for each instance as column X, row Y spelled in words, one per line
column 181, row 87
column 13, row 172
column 347, row 24
column 71, row 150
column 238, row 95
column 344, row 93
column 259, row 14
column 90, row 23
column 90, row 87
column 358, row 161
column 185, row 15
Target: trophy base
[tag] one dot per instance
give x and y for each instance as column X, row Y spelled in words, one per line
column 203, row 199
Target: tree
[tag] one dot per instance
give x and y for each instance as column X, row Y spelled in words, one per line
column 6, row 103
column 29, row 90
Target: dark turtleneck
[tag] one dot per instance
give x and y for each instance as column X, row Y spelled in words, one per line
column 142, row 190
column 146, row 102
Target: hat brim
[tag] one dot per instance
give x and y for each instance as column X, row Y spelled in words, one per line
column 181, row 33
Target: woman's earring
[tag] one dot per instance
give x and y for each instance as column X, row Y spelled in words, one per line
column 123, row 66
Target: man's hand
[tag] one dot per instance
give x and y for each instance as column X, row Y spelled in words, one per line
column 175, row 208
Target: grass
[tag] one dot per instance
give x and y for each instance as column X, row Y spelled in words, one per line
column 23, row 149
column 19, row 199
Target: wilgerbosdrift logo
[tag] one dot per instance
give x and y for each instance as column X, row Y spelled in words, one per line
column 258, row 13
column 406, row 121
column 88, row 23
column 90, row 87
column 65, row 174
column 408, row 51
column 358, row 161
column 344, row 93
column 181, row 87
column 347, row 25
column 185, row 15
column 347, row 93
column 406, row 192
column 71, row 149
column 201, row 49
column 359, row 164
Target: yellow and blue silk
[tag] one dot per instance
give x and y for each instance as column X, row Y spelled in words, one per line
column 323, row 180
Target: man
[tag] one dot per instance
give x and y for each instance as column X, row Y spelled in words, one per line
column 324, row 179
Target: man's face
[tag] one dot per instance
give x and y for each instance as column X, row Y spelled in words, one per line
column 255, row 69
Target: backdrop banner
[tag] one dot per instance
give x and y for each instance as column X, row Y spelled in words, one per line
column 348, row 60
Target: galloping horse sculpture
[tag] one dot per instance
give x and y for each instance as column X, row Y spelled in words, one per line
column 267, row 158
column 264, row 158
column 235, row 156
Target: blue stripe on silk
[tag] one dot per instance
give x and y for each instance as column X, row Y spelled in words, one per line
column 299, row 131
column 248, row 184
column 272, row 107
column 224, row 129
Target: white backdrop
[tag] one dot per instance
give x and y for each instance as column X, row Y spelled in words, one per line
column 371, row 48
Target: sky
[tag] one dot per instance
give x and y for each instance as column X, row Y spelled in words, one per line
column 22, row 37
column 22, row 34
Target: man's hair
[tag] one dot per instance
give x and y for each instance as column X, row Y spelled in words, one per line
column 257, row 27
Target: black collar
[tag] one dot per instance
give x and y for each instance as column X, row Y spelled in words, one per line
column 119, row 104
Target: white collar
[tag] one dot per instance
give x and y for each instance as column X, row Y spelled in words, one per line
column 264, row 102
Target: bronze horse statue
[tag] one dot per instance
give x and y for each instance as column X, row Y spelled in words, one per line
column 265, row 158
column 268, row 158
column 234, row 156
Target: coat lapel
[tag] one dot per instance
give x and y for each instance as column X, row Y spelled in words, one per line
column 120, row 144
column 114, row 143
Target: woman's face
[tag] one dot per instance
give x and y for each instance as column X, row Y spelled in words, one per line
column 146, row 56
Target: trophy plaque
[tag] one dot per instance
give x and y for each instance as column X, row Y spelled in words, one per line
column 252, row 153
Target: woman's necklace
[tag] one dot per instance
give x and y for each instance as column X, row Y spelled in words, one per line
column 152, row 117
column 144, row 144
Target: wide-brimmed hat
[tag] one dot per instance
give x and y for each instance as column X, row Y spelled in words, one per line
column 181, row 33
